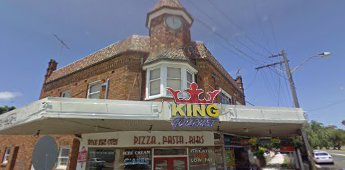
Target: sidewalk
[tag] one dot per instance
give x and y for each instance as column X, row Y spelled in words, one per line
column 275, row 163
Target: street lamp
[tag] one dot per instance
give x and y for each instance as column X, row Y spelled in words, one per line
column 289, row 72
column 324, row 54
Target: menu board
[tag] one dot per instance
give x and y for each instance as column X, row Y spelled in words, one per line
column 134, row 159
column 201, row 158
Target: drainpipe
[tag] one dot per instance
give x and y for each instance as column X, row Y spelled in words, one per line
column 106, row 84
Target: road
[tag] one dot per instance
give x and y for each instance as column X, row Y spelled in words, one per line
column 339, row 160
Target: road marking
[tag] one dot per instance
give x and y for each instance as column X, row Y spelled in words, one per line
column 338, row 154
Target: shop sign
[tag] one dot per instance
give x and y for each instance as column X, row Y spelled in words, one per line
column 148, row 139
column 194, row 111
column 200, row 155
column 82, row 156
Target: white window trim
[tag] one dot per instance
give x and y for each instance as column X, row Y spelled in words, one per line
column 163, row 79
column 89, row 88
column 58, row 165
column 228, row 95
column 64, row 92
column 6, row 156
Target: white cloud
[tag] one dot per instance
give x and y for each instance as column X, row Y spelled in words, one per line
column 7, row 95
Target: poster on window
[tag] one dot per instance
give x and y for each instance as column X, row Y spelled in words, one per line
column 134, row 159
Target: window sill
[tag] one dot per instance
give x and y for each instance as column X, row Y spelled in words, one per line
column 157, row 96
column 61, row 168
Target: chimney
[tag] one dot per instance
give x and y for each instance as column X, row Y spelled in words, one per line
column 239, row 82
column 52, row 65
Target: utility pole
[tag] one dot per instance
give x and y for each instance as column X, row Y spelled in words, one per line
column 295, row 101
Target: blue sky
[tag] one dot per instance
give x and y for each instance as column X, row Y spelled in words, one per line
column 257, row 28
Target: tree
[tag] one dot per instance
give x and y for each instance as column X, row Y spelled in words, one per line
column 4, row 109
column 320, row 136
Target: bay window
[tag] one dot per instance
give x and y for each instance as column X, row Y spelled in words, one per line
column 174, row 78
column 159, row 76
column 155, row 81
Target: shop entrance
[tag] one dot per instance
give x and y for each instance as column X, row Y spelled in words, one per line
column 170, row 163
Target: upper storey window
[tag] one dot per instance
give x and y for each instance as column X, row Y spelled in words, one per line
column 94, row 90
column 155, row 79
column 174, row 78
column 226, row 98
column 167, row 74
column 66, row 94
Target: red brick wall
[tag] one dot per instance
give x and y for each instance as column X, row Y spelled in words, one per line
column 124, row 73
column 163, row 37
column 25, row 145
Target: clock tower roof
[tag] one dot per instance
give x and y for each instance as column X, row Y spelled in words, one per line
column 168, row 3
column 173, row 7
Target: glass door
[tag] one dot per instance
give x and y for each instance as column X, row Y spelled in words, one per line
column 170, row 163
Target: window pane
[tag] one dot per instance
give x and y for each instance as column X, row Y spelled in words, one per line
column 174, row 84
column 155, row 74
column 64, row 152
column 66, row 94
column 179, row 164
column 161, row 164
column 174, row 72
column 225, row 99
column 94, row 96
column 189, row 77
column 95, row 87
column 63, row 161
column 155, row 87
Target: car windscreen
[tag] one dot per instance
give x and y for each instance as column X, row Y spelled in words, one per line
column 321, row 154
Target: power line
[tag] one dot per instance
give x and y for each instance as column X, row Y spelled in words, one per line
column 328, row 106
column 238, row 26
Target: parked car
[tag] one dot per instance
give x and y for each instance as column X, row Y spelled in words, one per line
column 323, row 157
column 96, row 162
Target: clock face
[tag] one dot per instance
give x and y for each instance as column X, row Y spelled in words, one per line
column 173, row 22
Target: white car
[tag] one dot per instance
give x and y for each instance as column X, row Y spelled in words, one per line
column 323, row 157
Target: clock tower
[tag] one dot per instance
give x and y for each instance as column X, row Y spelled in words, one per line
column 169, row 25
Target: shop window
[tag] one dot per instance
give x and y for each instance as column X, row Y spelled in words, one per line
column 155, row 82
column 202, row 158
column 133, row 159
column 6, row 156
column 225, row 98
column 100, row 159
column 94, row 90
column 63, row 158
column 66, row 94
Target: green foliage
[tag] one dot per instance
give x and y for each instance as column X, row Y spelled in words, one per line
column 320, row 136
column 4, row 109
column 260, row 152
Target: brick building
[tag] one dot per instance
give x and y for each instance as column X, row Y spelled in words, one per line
column 138, row 68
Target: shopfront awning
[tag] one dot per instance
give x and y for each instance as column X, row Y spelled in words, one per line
column 79, row 116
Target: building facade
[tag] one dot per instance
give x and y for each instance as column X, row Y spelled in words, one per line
column 138, row 68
